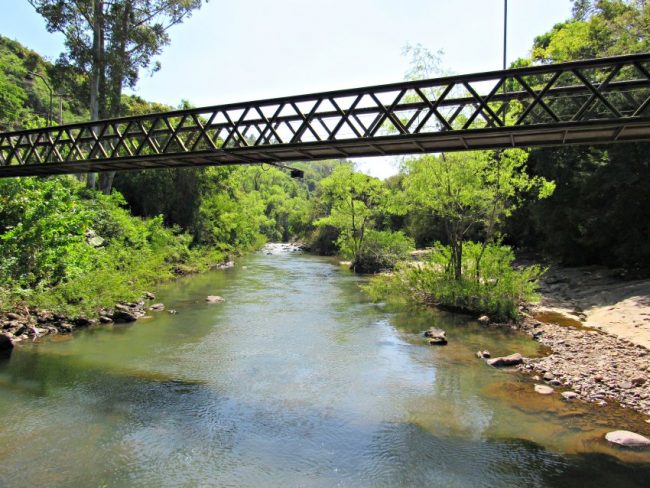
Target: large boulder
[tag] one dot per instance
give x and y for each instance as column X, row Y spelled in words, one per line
column 125, row 315
column 626, row 438
column 437, row 337
column 502, row 361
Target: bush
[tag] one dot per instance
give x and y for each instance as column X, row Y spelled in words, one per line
column 499, row 289
column 381, row 251
column 323, row 240
column 72, row 250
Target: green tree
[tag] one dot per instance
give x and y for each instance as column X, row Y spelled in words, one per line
column 112, row 40
column 12, row 99
column 470, row 192
column 354, row 201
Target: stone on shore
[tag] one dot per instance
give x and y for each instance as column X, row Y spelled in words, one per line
column 511, row 360
column 569, row 395
column 84, row 322
column 436, row 336
column 125, row 315
column 149, row 296
column 626, row 438
column 214, row 299
column 544, row 390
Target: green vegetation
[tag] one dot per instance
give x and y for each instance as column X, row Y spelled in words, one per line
column 72, row 250
column 355, row 204
column 68, row 247
column 599, row 211
column 498, row 291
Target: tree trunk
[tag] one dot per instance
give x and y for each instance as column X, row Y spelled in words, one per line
column 120, row 36
column 96, row 73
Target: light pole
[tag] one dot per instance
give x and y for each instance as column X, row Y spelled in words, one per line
column 30, row 76
column 505, row 31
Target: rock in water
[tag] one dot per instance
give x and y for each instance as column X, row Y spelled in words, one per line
column 6, row 342
column 511, row 360
column 227, row 265
column 569, row 395
column 544, row 390
column 214, row 299
column 436, row 336
column 626, row 438
column 484, row 320
column 157, row 307
column 122, row 315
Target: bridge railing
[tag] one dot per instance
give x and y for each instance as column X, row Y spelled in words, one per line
column 602, row 100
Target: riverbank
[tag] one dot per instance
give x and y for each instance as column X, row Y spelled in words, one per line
column 597, row 326
column 29, row 323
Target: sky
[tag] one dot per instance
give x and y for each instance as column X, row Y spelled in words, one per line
column 240, row 50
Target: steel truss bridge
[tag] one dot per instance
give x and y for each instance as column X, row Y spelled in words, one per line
column 585, row 102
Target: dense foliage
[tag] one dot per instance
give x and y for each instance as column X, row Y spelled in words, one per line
column 599, row 211
column 70, row 249
column 66, row 247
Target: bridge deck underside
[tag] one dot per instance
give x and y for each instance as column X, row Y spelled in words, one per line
column 586, row 102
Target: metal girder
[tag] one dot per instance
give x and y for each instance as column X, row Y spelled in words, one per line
column 584, row 102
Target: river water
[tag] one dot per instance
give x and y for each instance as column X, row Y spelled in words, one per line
column 296, row 380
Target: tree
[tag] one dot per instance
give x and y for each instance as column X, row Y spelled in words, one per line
column 470, row 193
column 112, row 40
column 596, row 214
column 12, row 99
column 355, row 200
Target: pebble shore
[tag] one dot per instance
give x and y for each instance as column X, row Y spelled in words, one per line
column 598, row 367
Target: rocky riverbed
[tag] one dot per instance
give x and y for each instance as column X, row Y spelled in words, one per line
column 597, row 328
column 598, row 367
column 33, row 323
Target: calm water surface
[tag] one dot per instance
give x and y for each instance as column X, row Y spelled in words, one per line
column 296, row 380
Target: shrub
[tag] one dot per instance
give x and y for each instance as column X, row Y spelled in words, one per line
column 499, row 289
column 381, row 251
column 72, row 250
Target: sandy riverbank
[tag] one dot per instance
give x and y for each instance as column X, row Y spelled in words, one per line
column 598, row 328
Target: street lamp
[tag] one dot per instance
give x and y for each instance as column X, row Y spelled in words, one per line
column 30, row 77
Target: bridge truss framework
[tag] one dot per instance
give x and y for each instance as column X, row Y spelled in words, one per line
column 585, row 102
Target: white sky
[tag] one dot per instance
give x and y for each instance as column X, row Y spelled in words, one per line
column 238, row 50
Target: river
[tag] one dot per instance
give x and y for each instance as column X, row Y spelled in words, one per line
column 295, row 380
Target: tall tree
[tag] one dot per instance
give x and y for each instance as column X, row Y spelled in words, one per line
column 471, row 193
column 112, row 40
